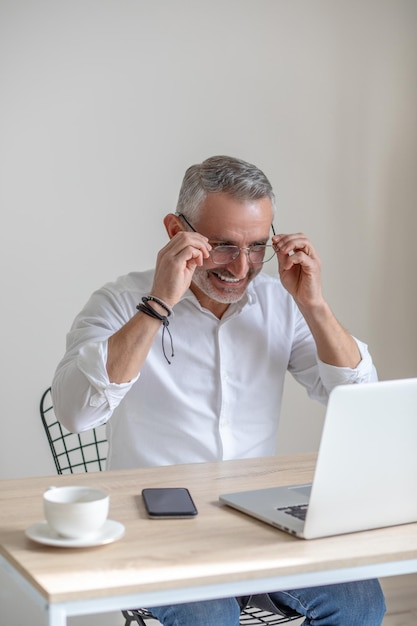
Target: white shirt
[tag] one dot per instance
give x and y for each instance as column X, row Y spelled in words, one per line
column 221, row 396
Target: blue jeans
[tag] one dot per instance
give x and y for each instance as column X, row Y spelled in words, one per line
column 346, row 604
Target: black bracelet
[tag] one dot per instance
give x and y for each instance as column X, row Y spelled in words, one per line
column 150, row 311
column 161, row 303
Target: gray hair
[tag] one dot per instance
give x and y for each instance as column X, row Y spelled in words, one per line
column 240, row 179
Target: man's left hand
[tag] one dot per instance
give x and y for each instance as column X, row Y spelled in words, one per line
column 299, row 268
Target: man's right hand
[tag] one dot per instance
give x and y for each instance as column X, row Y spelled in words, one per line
column 176, row 263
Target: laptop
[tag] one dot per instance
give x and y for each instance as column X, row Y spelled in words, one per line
column 366, row 472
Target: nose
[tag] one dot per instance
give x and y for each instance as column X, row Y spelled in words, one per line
column 241, row 264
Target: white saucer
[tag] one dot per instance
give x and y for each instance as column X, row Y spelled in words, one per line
column 42, row 533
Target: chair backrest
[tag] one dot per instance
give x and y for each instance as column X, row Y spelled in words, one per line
column 73, row 453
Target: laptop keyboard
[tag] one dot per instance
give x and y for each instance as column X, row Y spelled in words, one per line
column 299, row 511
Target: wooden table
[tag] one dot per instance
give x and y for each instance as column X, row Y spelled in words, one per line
column 220, row 553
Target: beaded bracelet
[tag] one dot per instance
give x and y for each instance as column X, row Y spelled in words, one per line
column 146, row 308
column 161, row 303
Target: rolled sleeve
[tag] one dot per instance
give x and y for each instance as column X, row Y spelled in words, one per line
column 91, row 362
column 365, row 371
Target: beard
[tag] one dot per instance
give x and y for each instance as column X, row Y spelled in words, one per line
column 221, row 285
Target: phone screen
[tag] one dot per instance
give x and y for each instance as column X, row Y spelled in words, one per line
column 168, row 502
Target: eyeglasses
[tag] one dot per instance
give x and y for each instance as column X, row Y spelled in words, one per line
column 224, row 253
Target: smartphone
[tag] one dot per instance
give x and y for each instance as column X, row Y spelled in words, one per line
column 169, row 502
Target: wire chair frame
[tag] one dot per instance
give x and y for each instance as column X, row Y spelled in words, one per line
column 253, row 616
column 249, row 616
column 73, row 452
column 87, row 452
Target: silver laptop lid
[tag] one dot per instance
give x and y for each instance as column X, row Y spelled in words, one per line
column 367, row 463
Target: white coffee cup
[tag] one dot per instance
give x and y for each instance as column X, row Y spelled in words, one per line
column 75, row 512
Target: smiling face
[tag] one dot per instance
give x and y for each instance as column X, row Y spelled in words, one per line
column 225, row 219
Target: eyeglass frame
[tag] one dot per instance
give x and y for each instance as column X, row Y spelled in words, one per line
column 216, row 245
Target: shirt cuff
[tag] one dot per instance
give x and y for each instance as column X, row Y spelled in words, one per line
column 91, row 362
column 365, row 371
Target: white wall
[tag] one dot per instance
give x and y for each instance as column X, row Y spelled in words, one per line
column 103, row 105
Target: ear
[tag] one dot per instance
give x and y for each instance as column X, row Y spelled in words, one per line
column 172, row 224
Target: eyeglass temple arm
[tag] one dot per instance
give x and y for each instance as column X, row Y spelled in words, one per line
column 186, row 221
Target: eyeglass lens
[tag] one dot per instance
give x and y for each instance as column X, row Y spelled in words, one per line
column 257, row 254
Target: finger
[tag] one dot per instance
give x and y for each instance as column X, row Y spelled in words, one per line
column 184, row 238
column 297, row 258
column 288, row 244
column 192, row 255
column 188, row 244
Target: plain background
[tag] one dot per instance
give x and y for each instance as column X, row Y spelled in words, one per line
column 105, row 103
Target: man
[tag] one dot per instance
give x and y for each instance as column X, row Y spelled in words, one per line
column 189, row 360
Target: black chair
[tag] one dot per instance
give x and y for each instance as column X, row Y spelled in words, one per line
column 249, row 616
column 73, row 453
column 87, row 452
